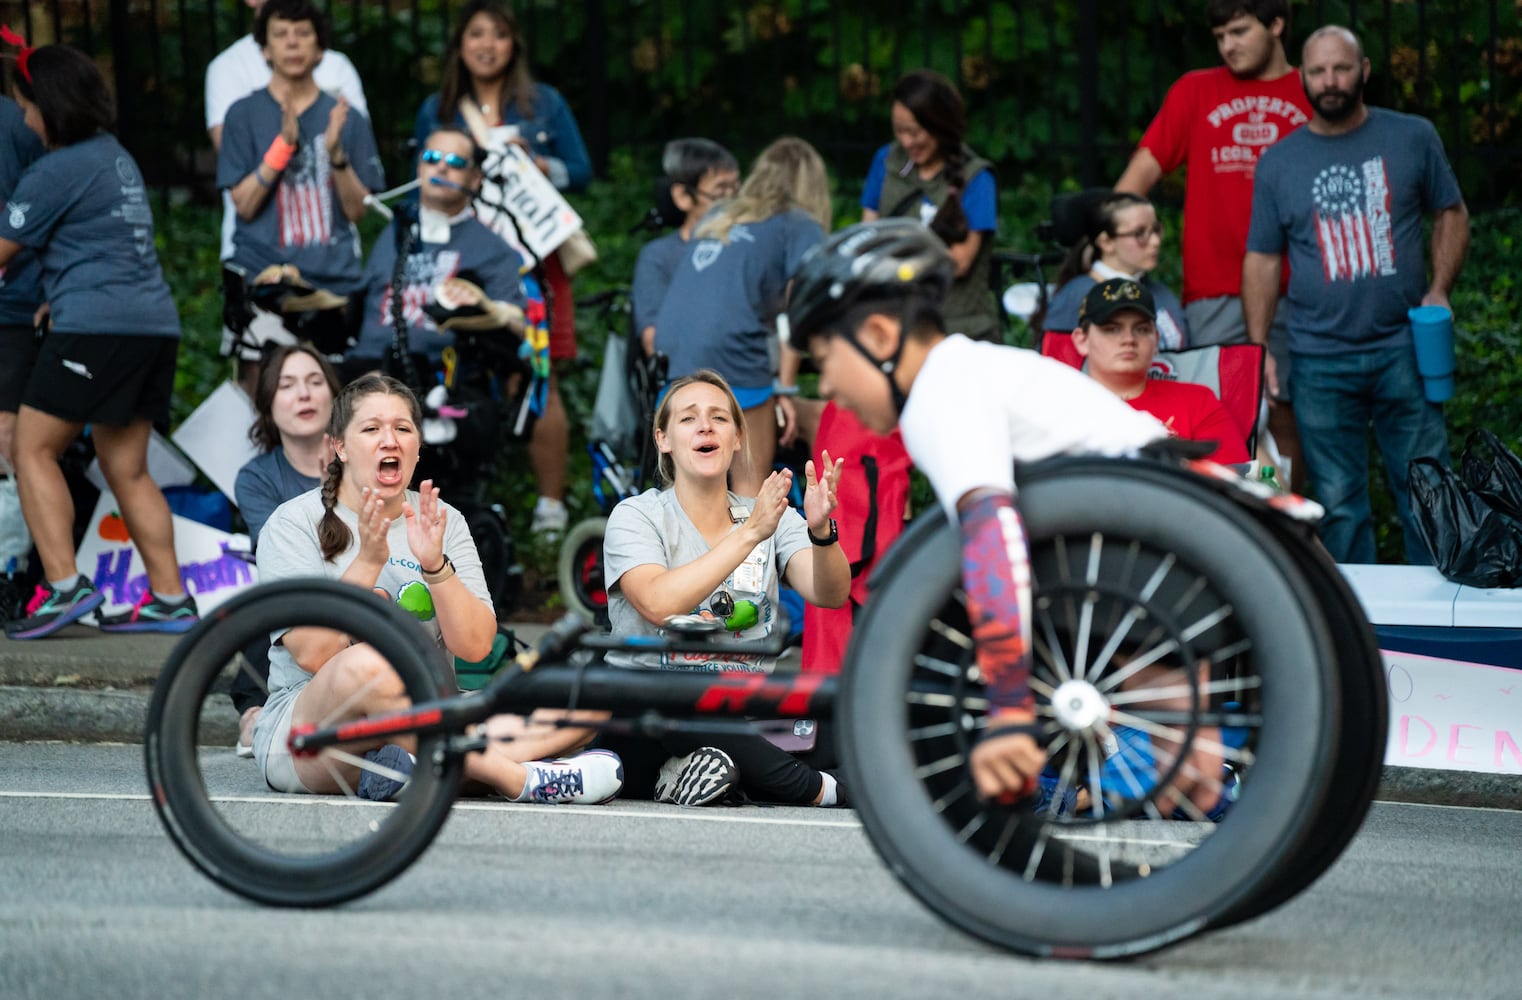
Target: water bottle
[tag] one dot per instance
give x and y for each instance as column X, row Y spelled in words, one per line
column 1269, row 476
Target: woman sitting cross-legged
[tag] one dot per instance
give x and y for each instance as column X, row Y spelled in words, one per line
column 363, row 526
column 696, row 548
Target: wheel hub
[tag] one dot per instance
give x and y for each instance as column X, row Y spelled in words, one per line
column 1078, row 706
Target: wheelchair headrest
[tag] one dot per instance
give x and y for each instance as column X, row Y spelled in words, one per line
column 1070, row 213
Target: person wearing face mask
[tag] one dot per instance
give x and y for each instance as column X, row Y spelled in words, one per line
column 928, row 173
column 365, row 527
column 453, row 261
column 487, row 88
column 1345, row 199
column 1122, row 239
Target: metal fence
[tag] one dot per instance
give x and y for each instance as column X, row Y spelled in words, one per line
column 1054, row 89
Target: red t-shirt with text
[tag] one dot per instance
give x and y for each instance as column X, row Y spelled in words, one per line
column 1216, row 125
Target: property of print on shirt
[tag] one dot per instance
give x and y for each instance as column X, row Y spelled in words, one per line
column 1254, row 126
column 422, row 273
column 305, row 199
column 1353, row 225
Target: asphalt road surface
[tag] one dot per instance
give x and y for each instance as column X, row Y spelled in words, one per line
column 640, row 900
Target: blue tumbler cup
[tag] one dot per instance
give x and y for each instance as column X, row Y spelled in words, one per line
column 1432, row 333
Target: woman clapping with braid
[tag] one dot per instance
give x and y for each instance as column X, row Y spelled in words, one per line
column 928, row 173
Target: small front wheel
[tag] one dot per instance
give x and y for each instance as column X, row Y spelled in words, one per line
column 583, row 586
column 272, row 847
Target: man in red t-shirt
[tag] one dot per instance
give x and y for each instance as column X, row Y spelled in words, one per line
column 1117, row 336
column 1215, row 123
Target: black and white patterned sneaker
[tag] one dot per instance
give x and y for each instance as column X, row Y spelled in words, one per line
column 700, row 778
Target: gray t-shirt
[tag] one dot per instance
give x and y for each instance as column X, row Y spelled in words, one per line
column 719, row 310
column 1349, row 210
column 302, row 222
column 288, row 549
column 84, row 209
column 1172, row 327
column 653, row 270
column 472, row 251
column 21, row 279
column 265, row 482
column 652, row 528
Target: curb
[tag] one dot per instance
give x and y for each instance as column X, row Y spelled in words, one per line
column 112, row 715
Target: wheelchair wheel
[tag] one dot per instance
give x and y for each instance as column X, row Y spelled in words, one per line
column 276, row 848
column 1359, row 758
column 499, row 559
column 580, row 569
column 1164, row 622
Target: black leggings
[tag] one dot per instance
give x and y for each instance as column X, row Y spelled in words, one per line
column 767, row 772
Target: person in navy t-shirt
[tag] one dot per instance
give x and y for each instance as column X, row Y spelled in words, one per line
column 109, row 360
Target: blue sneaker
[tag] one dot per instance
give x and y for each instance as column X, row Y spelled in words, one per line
column 50, row 610
column 153, row 615
column 392, row 767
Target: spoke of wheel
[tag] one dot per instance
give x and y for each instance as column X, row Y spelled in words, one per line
column 973, row 826
column 939, row 765
column 1229, row 685
column 958, row 791
column 1138, row 664
column 1118, row 633
column 1081, row 643
column 1096, row 772
column 1209, row 621
column 1033, row 863
column 1138, row 791
column 939, row 665
column 1064, row 780
column 935, row 699
column 950, row 634
column 1175, row 735
column 932, row 732
column 1188, row 770
column 247, row 669
column 1187, row 598
column 996, row 856
column 1053, row 648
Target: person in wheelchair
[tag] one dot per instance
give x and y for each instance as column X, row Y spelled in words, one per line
column 696, row 548
column 1117, row 335
column 365, row 527
column 298, row 165
column 866, row 305
column 1122, row 239
column 457, row 275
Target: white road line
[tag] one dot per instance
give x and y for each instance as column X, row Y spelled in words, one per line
column 845, row 821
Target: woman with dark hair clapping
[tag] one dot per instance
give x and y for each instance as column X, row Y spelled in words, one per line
column 109, row 359
column 928, row 173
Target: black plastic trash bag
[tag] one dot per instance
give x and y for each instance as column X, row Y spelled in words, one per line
column 1493, row 472
column 1464, row 524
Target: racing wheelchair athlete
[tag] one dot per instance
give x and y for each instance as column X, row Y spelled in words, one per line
column 998, row 647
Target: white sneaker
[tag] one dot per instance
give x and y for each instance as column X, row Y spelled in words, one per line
column 246, row 723
column 700, row 778
column 550, row 517
column 590, row 778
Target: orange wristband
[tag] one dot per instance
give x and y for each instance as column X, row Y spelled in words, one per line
column 279, row 154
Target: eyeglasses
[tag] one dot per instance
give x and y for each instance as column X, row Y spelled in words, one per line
column 719, row 193
column 454, row 160
column 1143, row 233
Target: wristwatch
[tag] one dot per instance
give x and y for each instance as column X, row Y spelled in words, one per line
column 338, row 164
column 830, row 539
column 439, row 575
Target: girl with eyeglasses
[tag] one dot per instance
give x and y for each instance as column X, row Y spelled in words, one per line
column 698, row 548
column 1122, row 239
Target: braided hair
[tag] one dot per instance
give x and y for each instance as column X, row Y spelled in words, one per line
column 936, row 105
column 332, row 534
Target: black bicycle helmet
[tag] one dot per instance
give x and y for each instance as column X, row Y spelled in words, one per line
column 893, row 258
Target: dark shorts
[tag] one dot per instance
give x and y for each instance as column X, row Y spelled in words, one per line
column 104, row 378
column 18, row 352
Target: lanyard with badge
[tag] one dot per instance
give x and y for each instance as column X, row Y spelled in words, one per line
column 749, row 577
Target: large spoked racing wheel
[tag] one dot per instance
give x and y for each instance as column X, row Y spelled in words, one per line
column 1177, row 634
column 278, row 848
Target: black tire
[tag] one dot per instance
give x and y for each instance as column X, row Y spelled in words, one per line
column 1359, row 758
column 499, row 559
column 580, row 569
column 280, row 849
column 1130, row 550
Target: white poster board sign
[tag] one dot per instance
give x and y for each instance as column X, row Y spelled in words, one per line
column 545, row 218
column 1453, row 716
column 210, row 573
column 215, row 436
